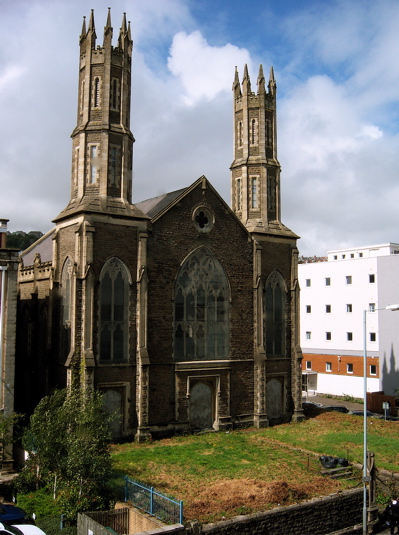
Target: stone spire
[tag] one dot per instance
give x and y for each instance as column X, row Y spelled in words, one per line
column 102, row 153
column 255, row 171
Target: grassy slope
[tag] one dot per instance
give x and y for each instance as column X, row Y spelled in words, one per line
column 222, row 474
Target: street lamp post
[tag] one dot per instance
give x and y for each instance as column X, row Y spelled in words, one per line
column 366, row 477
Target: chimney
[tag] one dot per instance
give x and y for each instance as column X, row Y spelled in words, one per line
column 3, row 233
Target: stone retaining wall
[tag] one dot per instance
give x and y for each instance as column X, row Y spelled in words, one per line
column 315, row 517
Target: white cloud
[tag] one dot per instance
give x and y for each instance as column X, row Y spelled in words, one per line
column 10, row 74
column 204, row 70
column 338, row 109
column 370, row 131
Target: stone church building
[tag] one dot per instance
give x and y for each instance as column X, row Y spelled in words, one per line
column 183, row 311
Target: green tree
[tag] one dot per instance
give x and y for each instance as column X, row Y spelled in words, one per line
column 9, row 428
column 68, row 445
column 22, row 240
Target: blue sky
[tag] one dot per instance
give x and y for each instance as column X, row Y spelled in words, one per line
column 337, row 70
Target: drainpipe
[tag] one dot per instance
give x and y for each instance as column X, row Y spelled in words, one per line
column 3, row 270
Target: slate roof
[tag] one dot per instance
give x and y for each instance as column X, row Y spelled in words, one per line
column 152, row 207
column 43, row 246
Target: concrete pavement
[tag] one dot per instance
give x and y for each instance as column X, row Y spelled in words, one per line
column 332, row 401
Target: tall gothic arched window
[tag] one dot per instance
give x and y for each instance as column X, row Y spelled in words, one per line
column 114, row 286
column 66, row 306
column 254, row 132
column 201, row 309
column 275, row 320
column 97, row 92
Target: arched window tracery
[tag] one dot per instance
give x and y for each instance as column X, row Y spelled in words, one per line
column 201, row 309
column 114, row 284
column 275, row 319
column 66, row 308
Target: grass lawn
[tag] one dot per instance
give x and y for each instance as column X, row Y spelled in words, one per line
column 224, row 474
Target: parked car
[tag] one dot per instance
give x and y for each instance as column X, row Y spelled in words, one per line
column 21, row 529
column 11, row 514
column 361, row 413
column 337, row 408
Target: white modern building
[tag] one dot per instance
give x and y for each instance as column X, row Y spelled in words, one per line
column 334, row 293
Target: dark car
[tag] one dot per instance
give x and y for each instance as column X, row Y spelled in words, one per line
column 11, row 514
column 337, row 408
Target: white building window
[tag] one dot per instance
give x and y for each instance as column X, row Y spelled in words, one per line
column 328, row 309
column 349, row 368
column 308, row 283
column 371, row 278
column 349, row 337
column 328, row 335
column 349, row 279
column 328, row 281
column 308, row 309
column 373, row 337
column 328, row 367
column 308, row 335
column 349, row 308
column 308, row 364
column 371, row 307
column 373, row 369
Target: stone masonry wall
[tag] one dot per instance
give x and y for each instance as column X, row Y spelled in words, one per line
column 173, row 237
column 315, row 517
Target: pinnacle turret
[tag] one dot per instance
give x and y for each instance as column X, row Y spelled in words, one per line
column 255, row 171
column 125, row 41
column 102, row 141
column 261, row 80
column 272, row 82
column 246, row 81
column 83, row 32
column 108, row 24
column 108, row 30
column 122, row 32
column 236, row 85
column 92, row 30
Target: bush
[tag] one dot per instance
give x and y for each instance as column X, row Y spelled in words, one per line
column 41, row 503
column 51, row 526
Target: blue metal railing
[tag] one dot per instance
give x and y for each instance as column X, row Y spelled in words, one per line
column 153, row 502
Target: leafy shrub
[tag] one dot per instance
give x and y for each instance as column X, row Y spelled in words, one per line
column 51, row 526
column 68, row 445
column 41, row 503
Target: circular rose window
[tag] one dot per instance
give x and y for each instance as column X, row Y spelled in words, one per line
column 203, row 219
